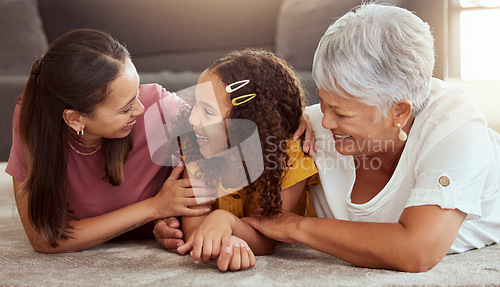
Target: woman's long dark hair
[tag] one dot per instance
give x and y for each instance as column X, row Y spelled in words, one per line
column 276, row 110
column 74, row 73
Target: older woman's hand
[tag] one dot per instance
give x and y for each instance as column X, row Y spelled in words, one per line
column 279, row 227
column 309, row 137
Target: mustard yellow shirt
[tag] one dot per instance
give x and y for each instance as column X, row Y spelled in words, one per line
column 300, row 167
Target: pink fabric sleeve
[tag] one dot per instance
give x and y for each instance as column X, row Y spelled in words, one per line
column 17, row 165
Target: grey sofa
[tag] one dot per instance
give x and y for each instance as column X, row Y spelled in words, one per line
column 172, row 41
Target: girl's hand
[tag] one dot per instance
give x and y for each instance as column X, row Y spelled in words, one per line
column 177, row 197
column 206, row 241
column 309, row 138
column 236, row 256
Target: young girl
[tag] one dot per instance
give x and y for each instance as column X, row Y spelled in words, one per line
column 256, row 86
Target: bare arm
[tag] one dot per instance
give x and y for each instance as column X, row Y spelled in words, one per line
column 219, row 225
column 260, row 244
column 190, row 223
column 174, row 199
column 169, row 233
column 419, row 241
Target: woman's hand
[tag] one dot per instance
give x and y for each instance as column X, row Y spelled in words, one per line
column 278, row 227
column 237, row 255
column 208, row 238
column 168, row 234
column 309, row 138
column 177, row 197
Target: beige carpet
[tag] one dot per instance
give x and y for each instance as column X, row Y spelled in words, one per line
column 144, row 263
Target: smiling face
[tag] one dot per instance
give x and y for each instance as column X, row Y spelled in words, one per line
column 354, row 128
column 212, row 106
column 115, row 117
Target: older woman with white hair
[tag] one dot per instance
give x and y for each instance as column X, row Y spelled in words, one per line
column 409, row 170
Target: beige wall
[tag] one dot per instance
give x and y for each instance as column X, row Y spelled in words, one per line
column 487, row 96
column 435, row 13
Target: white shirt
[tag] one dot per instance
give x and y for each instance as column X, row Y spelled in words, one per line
column 451, row 159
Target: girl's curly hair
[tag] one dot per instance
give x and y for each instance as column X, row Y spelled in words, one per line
column 276, row 110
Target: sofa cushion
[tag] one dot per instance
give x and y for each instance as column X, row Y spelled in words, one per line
column 11, row 88
column 152, row 28
column 302, row 23
column 171, row 81
column 21, row 36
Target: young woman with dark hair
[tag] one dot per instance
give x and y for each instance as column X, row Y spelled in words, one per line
column 79, row 158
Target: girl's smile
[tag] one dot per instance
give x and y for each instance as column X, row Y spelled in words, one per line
column 212, row 106
column 201, row 140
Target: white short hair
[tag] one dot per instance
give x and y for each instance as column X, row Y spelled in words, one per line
column 379, row 54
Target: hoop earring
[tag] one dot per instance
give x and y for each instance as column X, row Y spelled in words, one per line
column 80, row 133
column 402, row 135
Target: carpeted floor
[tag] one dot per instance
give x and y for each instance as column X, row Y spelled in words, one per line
column 144, row 263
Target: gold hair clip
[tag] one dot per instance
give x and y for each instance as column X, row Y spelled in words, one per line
column 244, row 98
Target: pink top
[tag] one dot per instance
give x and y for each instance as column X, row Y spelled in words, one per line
column 88, row 194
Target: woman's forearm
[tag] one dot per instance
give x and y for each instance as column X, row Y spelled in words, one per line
column 173, row 199
column 89, row 232
column 418, row 242
column 374, row 245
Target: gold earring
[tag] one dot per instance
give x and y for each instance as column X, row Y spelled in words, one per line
column 402, row 135
column 80, row 133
